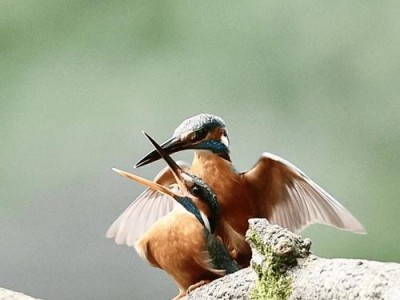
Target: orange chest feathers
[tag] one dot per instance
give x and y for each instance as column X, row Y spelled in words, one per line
column 230, row 187
column 176, row 244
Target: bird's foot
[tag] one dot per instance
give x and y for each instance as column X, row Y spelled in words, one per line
column 196, row 285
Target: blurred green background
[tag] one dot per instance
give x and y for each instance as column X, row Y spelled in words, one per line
column 315, row 82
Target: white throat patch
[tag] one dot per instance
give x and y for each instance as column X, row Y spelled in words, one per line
column 225, row 141
column 206, row 222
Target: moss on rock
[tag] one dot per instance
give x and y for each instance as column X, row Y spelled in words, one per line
column 275, row 251
column 272, row 282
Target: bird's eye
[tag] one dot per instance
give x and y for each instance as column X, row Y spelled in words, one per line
column 195, row 191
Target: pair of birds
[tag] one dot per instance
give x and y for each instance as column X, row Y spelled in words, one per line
column 273, row 189
column 181, row 242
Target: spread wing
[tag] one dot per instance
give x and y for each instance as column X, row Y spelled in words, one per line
column 292, row 200
column 145, row 210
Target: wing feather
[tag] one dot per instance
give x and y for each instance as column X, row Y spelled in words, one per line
column 293, row 200
column 149, row 207
column 145, row 210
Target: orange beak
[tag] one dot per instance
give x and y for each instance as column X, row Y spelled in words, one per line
column 148, row 183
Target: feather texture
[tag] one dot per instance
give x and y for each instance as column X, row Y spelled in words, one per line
column 297, row 200
column 147, row 208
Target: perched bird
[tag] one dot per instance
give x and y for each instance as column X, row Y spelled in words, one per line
column 273, row 188
column 182, row 242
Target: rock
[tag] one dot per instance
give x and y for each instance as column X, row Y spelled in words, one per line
column 282, row 267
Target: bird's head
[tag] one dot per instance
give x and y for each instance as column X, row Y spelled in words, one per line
column 201, row 132
column 194, row 194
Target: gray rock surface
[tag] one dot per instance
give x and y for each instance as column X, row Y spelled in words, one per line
column 285, row 255
column 280, row 256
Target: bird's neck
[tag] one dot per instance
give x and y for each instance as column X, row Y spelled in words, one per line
column 217, row 148
column 225, row 155
column 209, row 222
column 207, row 164
column 207, row 155
column 188, row 204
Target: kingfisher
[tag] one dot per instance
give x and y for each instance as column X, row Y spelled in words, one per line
column 182, row 242
column 273, row 188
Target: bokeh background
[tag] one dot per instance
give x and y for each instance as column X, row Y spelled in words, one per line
column 315, row 82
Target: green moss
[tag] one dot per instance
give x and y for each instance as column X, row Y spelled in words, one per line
column 272, row 282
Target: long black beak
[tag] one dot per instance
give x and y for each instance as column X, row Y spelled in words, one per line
column 172, row 145
column 176, row 170
column 184, row 180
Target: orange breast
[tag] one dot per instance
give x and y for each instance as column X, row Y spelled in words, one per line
column 176, row 244
column 234, row 196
